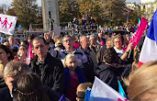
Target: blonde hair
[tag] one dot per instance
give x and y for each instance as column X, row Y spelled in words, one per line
column 81, row 89
column 142, row 81
column 83, row 86
column 116, row 36
column 58, row 42
column 67, row 57
column 12, row 68
column 66, row 36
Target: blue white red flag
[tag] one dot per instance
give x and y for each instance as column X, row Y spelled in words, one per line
column 102, row 92
column 149, row 48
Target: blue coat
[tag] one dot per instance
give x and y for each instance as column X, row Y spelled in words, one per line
column 80, row 75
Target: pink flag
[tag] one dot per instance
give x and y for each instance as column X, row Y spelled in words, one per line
column 29, row 54
column 139, row 32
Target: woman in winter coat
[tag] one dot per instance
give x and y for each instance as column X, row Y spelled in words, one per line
column 73, row 76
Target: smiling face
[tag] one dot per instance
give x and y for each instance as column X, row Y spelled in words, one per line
column 71, row 63
column 117, row 43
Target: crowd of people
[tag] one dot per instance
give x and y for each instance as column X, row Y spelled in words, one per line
column 49, row 68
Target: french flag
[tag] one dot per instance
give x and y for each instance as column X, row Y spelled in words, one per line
column 102, row 92
column 149, row 48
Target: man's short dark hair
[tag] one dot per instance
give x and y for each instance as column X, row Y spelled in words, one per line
column 40, row 38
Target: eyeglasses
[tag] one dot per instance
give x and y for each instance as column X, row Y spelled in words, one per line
column 68, row 40
column 117, row 41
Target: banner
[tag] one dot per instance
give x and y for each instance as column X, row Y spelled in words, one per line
column 7, row 24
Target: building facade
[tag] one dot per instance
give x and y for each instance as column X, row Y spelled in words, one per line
column 148, row 7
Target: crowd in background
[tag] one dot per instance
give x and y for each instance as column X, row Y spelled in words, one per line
column 49, row 67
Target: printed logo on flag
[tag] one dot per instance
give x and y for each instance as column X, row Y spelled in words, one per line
column 7, row 24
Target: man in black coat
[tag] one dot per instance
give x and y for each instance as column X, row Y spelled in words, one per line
column 111, row 68
column 49, row 69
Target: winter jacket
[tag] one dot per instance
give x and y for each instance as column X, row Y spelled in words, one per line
column 109, row 74
column 51, row 72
